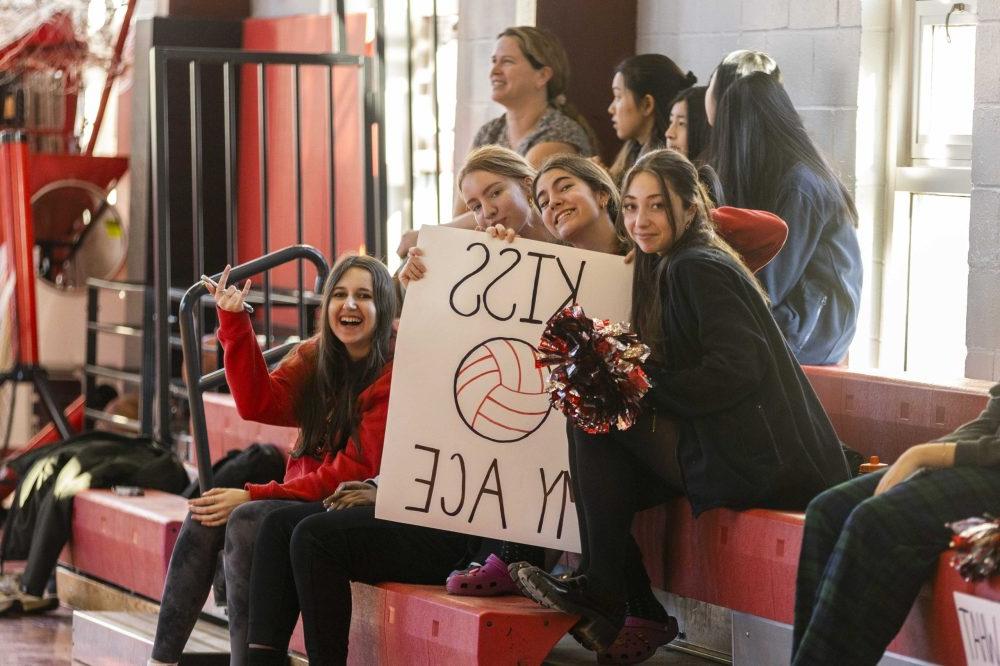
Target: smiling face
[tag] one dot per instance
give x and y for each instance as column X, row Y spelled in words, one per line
column 631, row 119
column 569, row 206
column 650, row 218
column 512, row 77
column 495, row 199
column 351, row 313
column 677, row 132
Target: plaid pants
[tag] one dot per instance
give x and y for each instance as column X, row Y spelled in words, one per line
column 864, row 558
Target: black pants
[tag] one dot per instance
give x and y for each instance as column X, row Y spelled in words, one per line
column 615, row 476
column 190, row 574
column 307, row 558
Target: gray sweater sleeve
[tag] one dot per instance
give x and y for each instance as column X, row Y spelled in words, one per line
column 977, row 443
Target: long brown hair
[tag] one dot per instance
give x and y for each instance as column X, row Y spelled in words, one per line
column 542, row 49
column 676, row 174
column 326, row 405
column 599, row 182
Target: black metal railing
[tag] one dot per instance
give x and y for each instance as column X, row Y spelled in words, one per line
column 190, row 305
column 170, row 248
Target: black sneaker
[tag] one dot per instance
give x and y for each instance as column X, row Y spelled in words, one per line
column 600, row 618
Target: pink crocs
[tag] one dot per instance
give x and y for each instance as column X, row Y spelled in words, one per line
column 487, row 580
column 637, row 641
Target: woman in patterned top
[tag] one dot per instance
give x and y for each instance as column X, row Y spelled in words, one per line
column 528, row 77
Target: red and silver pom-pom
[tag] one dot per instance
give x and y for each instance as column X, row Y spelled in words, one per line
column 597, row 379
column 977, row 542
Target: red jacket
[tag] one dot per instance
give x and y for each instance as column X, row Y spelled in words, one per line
column 755, row 234
column 270, row 398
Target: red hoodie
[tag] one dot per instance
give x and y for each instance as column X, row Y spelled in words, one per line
column 270, row 398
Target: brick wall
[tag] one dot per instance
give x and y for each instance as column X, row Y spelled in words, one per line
column 816, row 43
column 983, row 315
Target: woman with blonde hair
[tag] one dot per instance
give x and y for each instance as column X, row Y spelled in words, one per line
column 495, row 184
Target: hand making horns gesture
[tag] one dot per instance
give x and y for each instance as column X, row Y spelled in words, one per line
column 228, row 298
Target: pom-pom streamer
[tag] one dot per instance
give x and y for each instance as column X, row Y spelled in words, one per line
column 977, row 545
column 597, row 379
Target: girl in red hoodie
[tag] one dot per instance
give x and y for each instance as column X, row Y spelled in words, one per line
column 335, row 388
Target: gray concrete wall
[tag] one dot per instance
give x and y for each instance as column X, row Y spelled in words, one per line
column 480, row 21
column 983, row 316
column 817, row 44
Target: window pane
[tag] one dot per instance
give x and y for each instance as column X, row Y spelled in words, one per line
column 938, row 282
column 946, row 81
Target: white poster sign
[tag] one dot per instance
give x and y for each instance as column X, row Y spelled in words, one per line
column 471, row 443
column 979, row 622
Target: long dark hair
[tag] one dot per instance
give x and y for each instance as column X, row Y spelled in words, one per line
column 326, row 406
column 542, row 49
column 676, row 174
column 758, row 138
column 738, row 64
column 659, row 77
column 698, row 130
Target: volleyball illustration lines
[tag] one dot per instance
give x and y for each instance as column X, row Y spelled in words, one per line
column 499, row 393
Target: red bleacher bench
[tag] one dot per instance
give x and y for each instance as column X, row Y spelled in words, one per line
column 125, row 540
column 745, row 561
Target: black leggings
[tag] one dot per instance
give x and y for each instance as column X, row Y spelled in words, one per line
column 615, row 476
column 308, row 557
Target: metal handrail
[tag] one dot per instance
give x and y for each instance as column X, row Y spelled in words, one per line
column 191, row 343
column 167, row 242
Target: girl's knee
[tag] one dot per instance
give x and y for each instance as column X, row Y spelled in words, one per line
column 241, row 528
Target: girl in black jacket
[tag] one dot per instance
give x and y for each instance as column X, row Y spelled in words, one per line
column 731, row 419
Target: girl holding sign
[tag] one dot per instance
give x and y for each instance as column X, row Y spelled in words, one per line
column 579, row 204
column 495, row 184
column 335, row 382
column 717, row 360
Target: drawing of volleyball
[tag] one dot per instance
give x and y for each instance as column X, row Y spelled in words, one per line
column 499, row 393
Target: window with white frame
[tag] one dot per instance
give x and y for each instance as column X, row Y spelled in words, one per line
column 422, row 65
column 927, row 244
